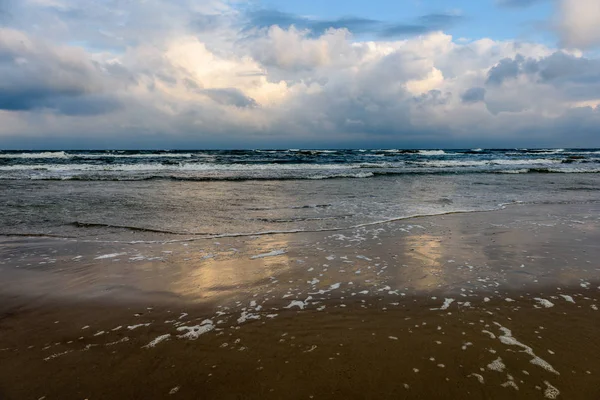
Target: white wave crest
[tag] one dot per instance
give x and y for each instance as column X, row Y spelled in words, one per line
column 44, row 154
column 139, row 155
column 477, row 163
column 358, row 175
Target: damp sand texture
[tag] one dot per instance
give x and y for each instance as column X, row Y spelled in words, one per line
column 490, row 305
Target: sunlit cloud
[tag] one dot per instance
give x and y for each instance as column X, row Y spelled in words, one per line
column 212, row 73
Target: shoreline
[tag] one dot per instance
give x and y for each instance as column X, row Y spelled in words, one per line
column 331, row 315
column 211, row 236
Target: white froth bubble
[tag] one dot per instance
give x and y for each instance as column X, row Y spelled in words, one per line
column 497, row 365
column 551, row 392
column 543, row 302
column 508, row 339
column 53, row 356
column 194, row 332
column 157, row 341
column 479, row 377
column 489, row 333
column 568, row 298
column 132, row 327
column 510, row 384
column 296, row 303
column 113, row 255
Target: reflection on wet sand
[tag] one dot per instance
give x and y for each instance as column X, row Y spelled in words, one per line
column 425, row 253
column 516, row 248
column 229, row 273
column 481, row 306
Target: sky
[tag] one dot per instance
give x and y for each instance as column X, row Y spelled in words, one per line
column 182, row 74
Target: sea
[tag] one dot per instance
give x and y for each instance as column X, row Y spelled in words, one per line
column 125, row 195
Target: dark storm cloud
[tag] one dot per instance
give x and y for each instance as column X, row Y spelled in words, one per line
column 62, row 101
column 510, row 68
column 507, row 68
column 473, row 95
column 30, row 98
column 564, row 67
column 38, row 77
column 577, row 77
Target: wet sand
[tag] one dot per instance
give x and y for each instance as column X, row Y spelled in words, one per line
column 491, row 305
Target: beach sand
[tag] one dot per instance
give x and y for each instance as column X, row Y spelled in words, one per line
column 490, row 305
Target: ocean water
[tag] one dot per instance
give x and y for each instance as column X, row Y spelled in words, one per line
column 287, row 164
column 162, row 195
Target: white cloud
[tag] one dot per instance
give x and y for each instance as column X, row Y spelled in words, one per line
column 191, row 75
column 580, row 23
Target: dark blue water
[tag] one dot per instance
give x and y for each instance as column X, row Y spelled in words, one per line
column 287, row 164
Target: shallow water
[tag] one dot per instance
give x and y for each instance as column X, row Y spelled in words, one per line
column 500, row 304
column 138, row 210
column 523, row 247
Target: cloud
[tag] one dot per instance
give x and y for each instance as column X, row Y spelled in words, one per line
column 191, row 77
column 267, row 18
column 509, row 68
column 230, row 96
column 38, row 75
column 473, row 95
column 578, row 25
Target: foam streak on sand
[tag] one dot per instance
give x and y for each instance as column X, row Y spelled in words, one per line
column 53, row 356
column 300, row 304
column 544, row 302
column 508, row 339
column 157, row 341
column 246, row 316
column 132, row 327
column 194, row 332
column 551, row 392
column 447, row 303
column 497, row 365
column 568, row 298
column 270, row 254
column 113, row 255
